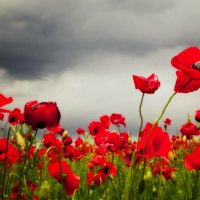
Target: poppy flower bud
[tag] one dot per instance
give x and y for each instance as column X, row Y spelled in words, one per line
column 173, row 176
column 20, row 140
column 154, row 189
column 41, row 115
column 184, row 138
column 171, row 155
column 65, row 134
column 148, row 175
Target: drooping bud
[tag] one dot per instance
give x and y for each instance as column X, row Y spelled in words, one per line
column 20, row 141
column 173, row 176
column 65, row 134
column 148, row 175
column 184, row 138
column 171, row 155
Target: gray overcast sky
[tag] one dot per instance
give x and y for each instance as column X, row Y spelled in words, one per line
column 83, row 53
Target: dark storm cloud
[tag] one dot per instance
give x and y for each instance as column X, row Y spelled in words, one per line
column 41, row 37
column 28, row 44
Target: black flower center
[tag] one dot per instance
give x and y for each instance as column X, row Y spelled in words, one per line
column 41, row 124
column 196, row 66
column 12, row 119
column 96, row 130
column 106, row 170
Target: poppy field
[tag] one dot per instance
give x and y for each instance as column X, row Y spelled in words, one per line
column 103, row 162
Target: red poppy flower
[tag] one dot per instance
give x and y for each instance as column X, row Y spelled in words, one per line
column 70, row 152
column 79, row 142
column 93, row 178
column 188, row 78
column 67, row 140
column 15, row 117
column 50, row 140
column 157, row 144
column 12, row 153
column 97, row 160
column 57, row 129
column 113, row 142
column 117, row 119
column 167, row 121
column 67, row 177
column 16, row 192
column 185, row 84
column 96, row 128
column 105, row 120
column 109, row 169
column 187, row 62
column 146, row 85
column 197, row 115
column 164, row 169
column 41, row 115
column 104, row 168
column 80, row 131
column 4, row 101
column 192, row 160
column 189, row 129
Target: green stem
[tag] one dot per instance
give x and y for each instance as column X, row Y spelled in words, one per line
column 156, row 122
column 140, row 112
column 149, row 134
column 141, row 117
column 164, row 109
column 4, row 167
column 195, row 185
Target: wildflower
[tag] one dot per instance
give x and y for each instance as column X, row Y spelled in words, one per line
column 167, row 121
column 189, row 129
column 184, row 83
column 146, row 85
column 108, row 169
column 153, row 142
column 15, row 117
column 105, row 120
column 67, row 140
column 117, row 119
column 4, row 101
column 66, row 177
column 10, row 151
column 163, row 169
column 57, row 129
column 93, row 178
column 96, row 128
column 50, row 140
column 79, row 142
column 192, row 160
column 80, row 131
column 41, row 115
column 188, row 74
column 102, row 168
